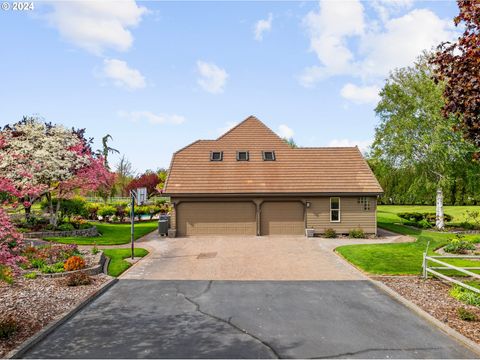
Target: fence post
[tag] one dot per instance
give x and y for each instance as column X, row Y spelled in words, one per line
column 424, row 266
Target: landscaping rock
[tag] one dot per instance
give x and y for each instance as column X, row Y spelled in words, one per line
column 433, row 296
column 36, row 303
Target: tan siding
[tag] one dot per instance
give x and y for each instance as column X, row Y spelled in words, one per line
column 173, row 219
column 351, row 215
column 216, row 218
column 282, row 218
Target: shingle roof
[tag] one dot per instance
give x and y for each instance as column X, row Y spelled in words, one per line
column 327, row 170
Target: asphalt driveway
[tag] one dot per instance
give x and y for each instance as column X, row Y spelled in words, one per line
column 246, row 319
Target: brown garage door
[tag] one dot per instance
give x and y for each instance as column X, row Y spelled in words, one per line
column 216, row 218
column 282, row 218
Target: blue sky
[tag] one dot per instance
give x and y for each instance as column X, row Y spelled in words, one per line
column 159, row 75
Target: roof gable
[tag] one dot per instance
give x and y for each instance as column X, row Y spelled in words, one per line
column 294, row 171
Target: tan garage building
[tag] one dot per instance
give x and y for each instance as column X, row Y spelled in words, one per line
column 249, row 181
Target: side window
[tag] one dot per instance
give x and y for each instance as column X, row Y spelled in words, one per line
column 268, row 155
column 334, row 209
column 216, row 155
column 364, row 203
column 242, row 155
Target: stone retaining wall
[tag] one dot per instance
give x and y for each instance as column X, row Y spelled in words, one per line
column 90, row 232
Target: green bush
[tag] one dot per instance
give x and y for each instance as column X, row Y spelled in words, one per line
column 467, row 226
column 92, row 210
column 464, row 295
column 464, row 314
column 8, row 326
column 68, row 207
column 459, row 246
column 330, row 233
column 52, row 269
column 417, row 217
column 65, row 227
column 106, row 211
column 31, row 275
column 356, row 233
column 37, row 263
column 424, row 224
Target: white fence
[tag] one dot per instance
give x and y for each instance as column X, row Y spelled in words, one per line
column 433, row 270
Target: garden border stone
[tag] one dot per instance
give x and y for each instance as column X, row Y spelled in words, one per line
column 20, row 350
column 90, row 232
column 419, row 311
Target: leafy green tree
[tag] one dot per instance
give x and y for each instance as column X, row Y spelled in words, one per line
column 291, row 142
column 413, row 136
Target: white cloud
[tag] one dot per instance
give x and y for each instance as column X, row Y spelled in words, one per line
column 122, row 75
column 362, row 145
column 361, row 95
column 347, row 45
column 262, row 26
column 402, row 41
column 285, row 132
column 328, row 29
column 97, row 25
column 212, row 78
column 386, row 8
column 152, row 118
column 228, row 126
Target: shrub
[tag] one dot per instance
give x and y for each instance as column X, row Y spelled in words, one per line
column 330, row 233
column 66, row 227
column 6, row 274
column 37, row 263
column 467, row 226
column 92, row 210
column 74, row 263
column 356, row 233
column 417, row 217
column 473, row 217
column 8, row 326
column 466, row 315
column 459, row 246
column 95, row 250
column 52, row 269
column 465, row 295
column 424, row 224
column 106, row 211
column 121, row 211
column 31, row 275
column 77, row 279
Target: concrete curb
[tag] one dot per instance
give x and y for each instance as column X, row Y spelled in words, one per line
column 20, row 350
column 471, row 345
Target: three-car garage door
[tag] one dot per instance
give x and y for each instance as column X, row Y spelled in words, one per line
column 282, row 218
column 216, row 218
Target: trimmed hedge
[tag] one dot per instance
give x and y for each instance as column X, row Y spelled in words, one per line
column 418, row 217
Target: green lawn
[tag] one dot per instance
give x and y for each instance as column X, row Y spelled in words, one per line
column 400, row 258
column 117, row 264
column 111, row 234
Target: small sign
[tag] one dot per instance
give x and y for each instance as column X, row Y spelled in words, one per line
column 141, row 196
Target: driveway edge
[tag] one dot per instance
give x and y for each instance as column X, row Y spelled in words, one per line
column 20, row 350
column 419, row 311
column 150, row 252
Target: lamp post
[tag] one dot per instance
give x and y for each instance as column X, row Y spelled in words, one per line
column 132, row 221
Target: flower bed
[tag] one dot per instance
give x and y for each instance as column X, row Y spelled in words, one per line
column 434, row 297
column 54, row 260
column 33, row 304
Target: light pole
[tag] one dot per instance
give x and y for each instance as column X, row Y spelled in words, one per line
column 132, row 221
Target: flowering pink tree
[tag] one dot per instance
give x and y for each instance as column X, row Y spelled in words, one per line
column 42, row 159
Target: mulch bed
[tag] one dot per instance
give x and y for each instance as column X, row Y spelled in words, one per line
column 432, row 295
column 36, row 303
